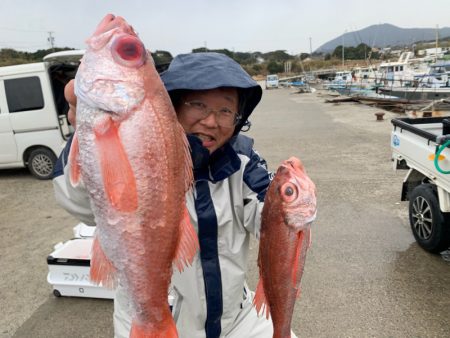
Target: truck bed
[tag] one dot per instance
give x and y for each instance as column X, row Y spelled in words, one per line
column 414, row 143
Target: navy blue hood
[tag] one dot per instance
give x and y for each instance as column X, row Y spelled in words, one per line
column 203, row 71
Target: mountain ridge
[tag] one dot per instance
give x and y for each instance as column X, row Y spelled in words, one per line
column 384, row 35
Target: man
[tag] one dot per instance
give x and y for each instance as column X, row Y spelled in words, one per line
column 213, row 97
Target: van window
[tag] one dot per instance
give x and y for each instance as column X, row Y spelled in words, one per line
column 24, row 94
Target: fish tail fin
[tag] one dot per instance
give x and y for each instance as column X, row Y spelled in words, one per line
column 168, row 330
column 260, row 300
column 102, row 271
column 118, row 176
column 187, row 243
column 75, row 170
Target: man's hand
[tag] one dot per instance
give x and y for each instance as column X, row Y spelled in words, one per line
column 71, row 99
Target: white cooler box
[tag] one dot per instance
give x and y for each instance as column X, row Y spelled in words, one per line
column 82, row 230
column 69, row 268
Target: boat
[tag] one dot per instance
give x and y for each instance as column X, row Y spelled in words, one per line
column 342, row 79
column 438, row 76
column 417, row 93
column 364, row 76
column 403, row 72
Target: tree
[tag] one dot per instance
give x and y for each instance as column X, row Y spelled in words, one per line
column 275, row 67
column 257, row 68
column 304, row 56
column 278, row 56
column 359, row 52
column 162, row 57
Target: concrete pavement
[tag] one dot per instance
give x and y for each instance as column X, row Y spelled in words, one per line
column 364, row 276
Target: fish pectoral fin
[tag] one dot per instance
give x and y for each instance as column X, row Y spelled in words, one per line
column 75, row 170
column 260, row 300
column 118, row 176
column 303, row 243
column 187, row 243
column 102, row 271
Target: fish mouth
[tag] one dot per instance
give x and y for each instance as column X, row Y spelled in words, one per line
column 293, row 163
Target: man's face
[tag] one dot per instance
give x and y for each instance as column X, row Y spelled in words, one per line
column 209, row 129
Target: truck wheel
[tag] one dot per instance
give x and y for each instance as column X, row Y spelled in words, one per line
column 41, row 163
column 429, row 225
column 56, row 293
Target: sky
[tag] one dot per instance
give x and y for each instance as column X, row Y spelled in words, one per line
column 179, row 26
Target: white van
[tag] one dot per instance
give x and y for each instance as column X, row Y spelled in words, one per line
column 33, row 112
column 272, row 81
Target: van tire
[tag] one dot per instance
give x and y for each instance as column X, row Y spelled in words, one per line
column 429, row 225
column 41, row 163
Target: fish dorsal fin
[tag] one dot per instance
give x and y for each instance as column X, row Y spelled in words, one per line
column 102, row 271
column 260, row 300
column 303, row 243
column 118, row 176
column 75, row 170
column 187, row 243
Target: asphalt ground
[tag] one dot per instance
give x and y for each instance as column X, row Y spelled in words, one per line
column 364, row 277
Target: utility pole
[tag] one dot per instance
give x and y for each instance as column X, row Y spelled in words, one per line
column 51, row 40
column 310, row 47
column 343, row 44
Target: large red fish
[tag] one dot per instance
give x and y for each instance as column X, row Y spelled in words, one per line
column 289, row 209
column 133, row 157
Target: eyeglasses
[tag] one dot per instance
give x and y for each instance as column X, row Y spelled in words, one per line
column 224, row 116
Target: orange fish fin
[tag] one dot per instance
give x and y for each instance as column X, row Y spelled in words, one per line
column 75, row 170
column 118, row 176
column 260, row 300
column 102, row 271
column 187, row 243
column 168, row 330
column 300, row 256
column 189, row 176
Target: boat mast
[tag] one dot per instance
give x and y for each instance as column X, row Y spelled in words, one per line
column 437, row 39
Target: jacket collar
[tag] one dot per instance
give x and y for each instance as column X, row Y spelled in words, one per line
column 214, row 167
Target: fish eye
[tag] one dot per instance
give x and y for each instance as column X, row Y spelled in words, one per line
column 128, row 51
column 289, row 192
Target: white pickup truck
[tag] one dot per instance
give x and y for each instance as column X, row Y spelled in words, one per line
column 422, row 146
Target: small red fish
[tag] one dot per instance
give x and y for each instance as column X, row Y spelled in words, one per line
column 133, row 157
column 289, row 209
